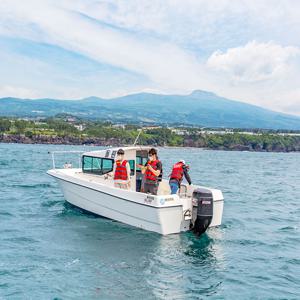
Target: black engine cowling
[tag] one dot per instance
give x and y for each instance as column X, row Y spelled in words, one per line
column 204, row 200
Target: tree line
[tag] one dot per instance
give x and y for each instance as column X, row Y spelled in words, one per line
column 61, row 129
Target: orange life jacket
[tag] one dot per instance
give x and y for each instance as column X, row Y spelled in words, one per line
column 121, row 170
column 177, row 171
column 149, row 174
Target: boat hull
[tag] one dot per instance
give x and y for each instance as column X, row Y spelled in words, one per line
column 163, row 220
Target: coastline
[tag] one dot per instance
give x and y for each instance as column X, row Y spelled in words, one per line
column 115, row 142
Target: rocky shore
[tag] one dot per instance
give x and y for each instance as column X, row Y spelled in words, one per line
column 57, row 140
column 187, row 142
column 247, row 145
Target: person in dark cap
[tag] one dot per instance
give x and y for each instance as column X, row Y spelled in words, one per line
column 152, row 171
column 121, row 171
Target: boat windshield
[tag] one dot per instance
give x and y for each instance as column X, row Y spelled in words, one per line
column 97, row 165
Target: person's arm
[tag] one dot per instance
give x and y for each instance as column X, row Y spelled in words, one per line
column 112, row 173
column 187, row 175
column 114, row 170
column 144, row 168
column 156, row 172
column 128, row 171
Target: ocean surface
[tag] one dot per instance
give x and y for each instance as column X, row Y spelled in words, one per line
column 52, row 250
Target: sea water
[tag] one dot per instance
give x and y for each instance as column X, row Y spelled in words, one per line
column 52, row 250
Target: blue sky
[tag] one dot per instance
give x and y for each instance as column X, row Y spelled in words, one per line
column 70, row 49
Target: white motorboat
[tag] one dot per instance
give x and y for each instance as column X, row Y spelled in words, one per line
column 88, row 187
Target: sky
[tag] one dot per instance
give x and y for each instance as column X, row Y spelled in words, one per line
column 247, row 50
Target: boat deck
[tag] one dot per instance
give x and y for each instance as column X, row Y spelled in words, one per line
column 185, row 191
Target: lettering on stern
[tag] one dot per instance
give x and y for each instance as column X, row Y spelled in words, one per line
column 169, row 199
column 149, row 199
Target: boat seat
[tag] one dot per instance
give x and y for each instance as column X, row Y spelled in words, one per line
column 163, row 188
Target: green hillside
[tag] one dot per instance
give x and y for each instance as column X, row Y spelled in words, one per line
column 199, row 108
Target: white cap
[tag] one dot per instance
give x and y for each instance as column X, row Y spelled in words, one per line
column 183, row 161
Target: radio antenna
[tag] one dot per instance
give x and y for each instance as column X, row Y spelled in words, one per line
column 140, row 131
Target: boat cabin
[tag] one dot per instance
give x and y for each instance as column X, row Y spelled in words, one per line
column 101, row 162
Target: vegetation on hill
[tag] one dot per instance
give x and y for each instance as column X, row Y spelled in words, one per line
column 70, row 130
column 199, row 108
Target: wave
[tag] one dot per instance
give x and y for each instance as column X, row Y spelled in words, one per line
column 32, row 186
column 51, row 203
column 22, row 239
column 4, row 163
column 6, row 213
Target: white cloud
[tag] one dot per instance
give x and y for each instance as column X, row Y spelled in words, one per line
column 161, row 46
column 206, row 24
column 254, row 62
column 264, row 74
column 162, row 62
column 17, row 92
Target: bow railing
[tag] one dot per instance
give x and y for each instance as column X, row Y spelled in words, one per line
column 66, row 165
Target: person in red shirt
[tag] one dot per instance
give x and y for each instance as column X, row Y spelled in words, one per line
column 121, row 171
column 153, row 172
column 179, row 170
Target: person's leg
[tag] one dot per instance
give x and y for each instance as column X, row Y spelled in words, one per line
column 150, row 188
column 153, row 189
column 143, row 184
column 146, row 188
column 138, row 185
column 121, row 185
column 173, row 187
column 124, row 186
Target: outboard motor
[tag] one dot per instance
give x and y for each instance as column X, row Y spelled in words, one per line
column 204, row 199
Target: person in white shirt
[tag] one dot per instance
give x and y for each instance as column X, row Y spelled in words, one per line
column 121, row 171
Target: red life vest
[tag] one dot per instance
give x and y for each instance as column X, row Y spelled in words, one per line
column 177, row 171
column 121, row 170
column 149, row 174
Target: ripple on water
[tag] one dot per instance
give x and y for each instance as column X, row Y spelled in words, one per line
column 51, row 203
column 4, row 163
column 32, row 186
column 20, row 240
column 5, row 214
column 54, row 250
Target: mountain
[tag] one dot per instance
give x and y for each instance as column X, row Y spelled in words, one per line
column 198, row 108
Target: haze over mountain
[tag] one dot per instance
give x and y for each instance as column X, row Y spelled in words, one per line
column 198, row 108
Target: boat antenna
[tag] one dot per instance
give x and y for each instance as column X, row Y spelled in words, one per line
column 140, row 131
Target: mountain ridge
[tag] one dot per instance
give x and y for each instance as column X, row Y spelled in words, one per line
column 199, row 108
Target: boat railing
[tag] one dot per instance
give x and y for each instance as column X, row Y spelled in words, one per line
column 181, row 192
column 67, row 165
